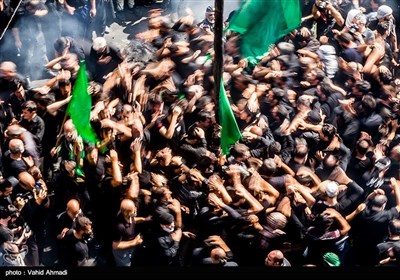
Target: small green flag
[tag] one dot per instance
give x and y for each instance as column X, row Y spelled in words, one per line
column 263, row 22
column 80, row 106
column 230, row 132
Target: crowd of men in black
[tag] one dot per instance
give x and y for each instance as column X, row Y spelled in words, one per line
column 314, row 179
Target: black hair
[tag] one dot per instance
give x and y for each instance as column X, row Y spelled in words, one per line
column 363, row 86
column 268, row 167
column 4, row 184
column 154, row 98
column 362, row 146
column 64, row 82
column 329, row 130
column 81, row 222
column 60, row 44
column 203, row 101
column 368, row 103
column 29, row 105
column 16, row 84
column 238, row 150
column 204, row 115
column 322, row 223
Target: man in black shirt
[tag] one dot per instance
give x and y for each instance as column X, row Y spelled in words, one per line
column 75, row 244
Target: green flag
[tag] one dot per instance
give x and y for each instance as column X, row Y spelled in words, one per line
column 230, row 132
column 263, row 22
column 80, row 106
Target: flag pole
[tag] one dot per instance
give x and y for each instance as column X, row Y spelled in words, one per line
column 11, row 19
column 218, row 49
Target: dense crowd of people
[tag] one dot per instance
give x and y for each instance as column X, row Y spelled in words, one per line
column 314, row 179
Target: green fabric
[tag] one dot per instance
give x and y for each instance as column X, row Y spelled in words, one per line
column 331, row 259
column 230, row 132
column 263, row 22
column 80, row 106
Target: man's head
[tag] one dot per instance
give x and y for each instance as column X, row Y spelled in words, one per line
column 384, row 12
column 210, row 14
column 61, row 44
column 128, row 209
column 65, row 87
column 8, row 70
column 83, row 226
column 332, row 189
column 70, row 132
column 70, row 62
column 378, row 202
column 18, row 88
column 99, row 44
column 16, row 146
column 274, row 258
column 73, row 208
column 29, row 109
column 167, row 222
column 218, row 256
column 5, row 188
column 240, row 152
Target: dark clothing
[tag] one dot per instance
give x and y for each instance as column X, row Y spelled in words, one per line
column 357, row 167
column 352, row 54
column 258, row 147
column 36, row 127
column 370, row 228
column 167, row 249
column 325, row 23
column 371, row 124
column 348, row 201
column 76, row 252
column 98, row 69
column 35, row 216
column 7, row 86
column 76, row 25
column 348, row 127
column 16, row 103
column 123, row 231
column 63, row 221
column 206, row 24
column 157, row 141
column 318, row 244
column 382, row 248
column 76, row 48
column 13, row 167
column 33, row 51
